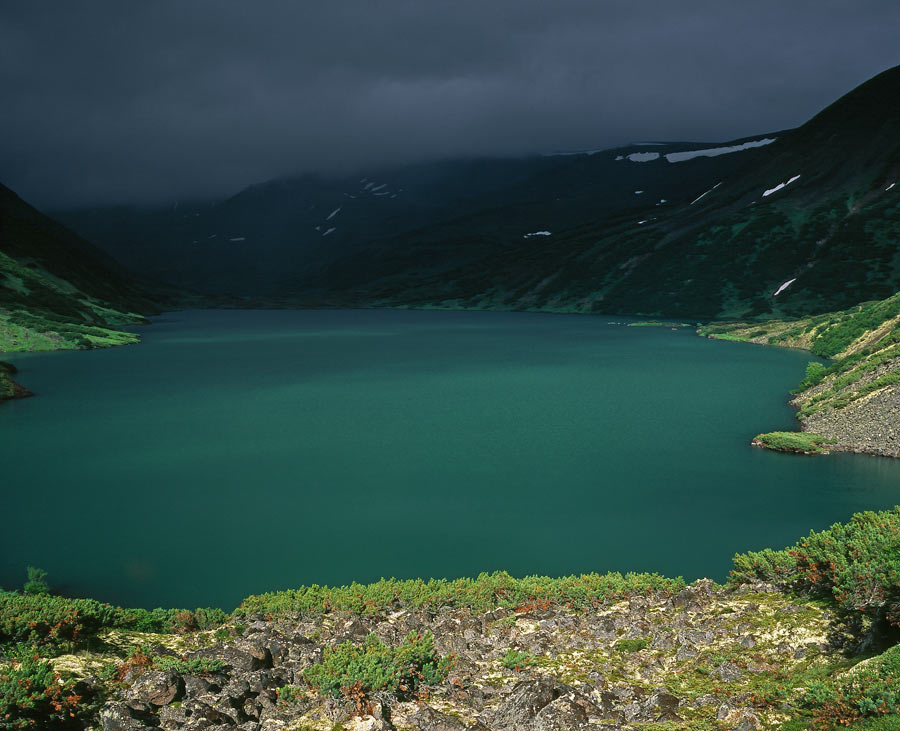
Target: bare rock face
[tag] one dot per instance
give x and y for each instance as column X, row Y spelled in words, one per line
column 154, row 688
column 522, row 705
column 428, row 719
column 571, row 711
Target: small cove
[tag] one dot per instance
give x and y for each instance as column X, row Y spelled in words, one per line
column 236, row 452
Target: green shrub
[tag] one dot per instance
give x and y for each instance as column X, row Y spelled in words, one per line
column 356, row 671
column 194, row 666
column 868, row 691
column 289, row 694
column 487, row 592
column 815, row 372
column 37, row 581
column 47, row 619
column 515, row 660
column 765, row 565
column 856, row 563
column 633, row 645
column 32, row 694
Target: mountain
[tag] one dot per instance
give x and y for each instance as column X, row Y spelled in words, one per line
column 687, row 230
column 300, row 237
column 56, row 289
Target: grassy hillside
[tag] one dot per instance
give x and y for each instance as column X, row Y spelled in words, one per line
column 56, row 290
column 854, row 398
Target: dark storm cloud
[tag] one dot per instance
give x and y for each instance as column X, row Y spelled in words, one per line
column 149, row 101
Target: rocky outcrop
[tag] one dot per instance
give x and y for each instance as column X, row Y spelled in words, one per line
column 9, row 389
column 695, row 659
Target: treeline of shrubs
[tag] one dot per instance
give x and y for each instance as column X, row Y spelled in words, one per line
column 488, row 591
column 856, row 563
column 44, row 619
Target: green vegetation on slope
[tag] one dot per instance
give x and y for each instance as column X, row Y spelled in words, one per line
column 56, row 290
column 863, row 343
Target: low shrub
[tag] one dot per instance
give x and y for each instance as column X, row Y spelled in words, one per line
column 869, row 691
column 855, row 563
column 194, row 666
column 633, row 645
column 32, row 695
column 487, row 592
column 47, row 619
column 515, row 660
column 356, row 671
column 37, row 581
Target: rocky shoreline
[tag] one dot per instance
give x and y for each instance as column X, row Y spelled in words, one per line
column 702, row 658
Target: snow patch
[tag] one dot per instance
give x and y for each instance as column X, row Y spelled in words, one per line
column 638, row 192
column 238, row 238
column 889, row 187
column 333, row 213
column 784, row 286
column 643, row 156
column 212, row 237
column 779, row 186
column 537, row 233
column 368, row 185
column 619, row 157
column 329, row 231
column 378, row 187
column 644, row 221
column 572, row 152
column 707, row 192
column 716, row 151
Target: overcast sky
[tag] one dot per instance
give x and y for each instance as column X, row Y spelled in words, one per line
column 126, row 101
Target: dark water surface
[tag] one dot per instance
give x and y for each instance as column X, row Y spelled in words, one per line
column 239, row 452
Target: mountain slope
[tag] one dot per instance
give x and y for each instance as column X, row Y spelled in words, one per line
column 817, row 206
column 299, row 238
column 56, row 290
column 684, row 230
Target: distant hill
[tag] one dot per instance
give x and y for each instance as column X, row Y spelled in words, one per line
column 687, row 230
column 56, row 289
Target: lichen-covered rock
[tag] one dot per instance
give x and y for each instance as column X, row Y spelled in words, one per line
column 519, row 709
column 427, row 719
column 155, row 688
column 571, row 711
column 116, row 717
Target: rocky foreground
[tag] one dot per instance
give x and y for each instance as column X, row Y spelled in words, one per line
column 705, row 658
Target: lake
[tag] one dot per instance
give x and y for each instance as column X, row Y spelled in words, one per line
column 236, row 452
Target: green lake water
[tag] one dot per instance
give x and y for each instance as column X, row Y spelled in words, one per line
column 239, row 452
